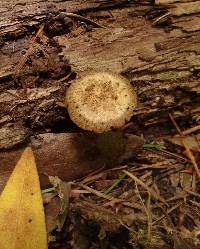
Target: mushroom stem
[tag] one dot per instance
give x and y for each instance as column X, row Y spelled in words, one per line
column 109, row 148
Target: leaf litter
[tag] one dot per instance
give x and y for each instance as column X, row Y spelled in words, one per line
column 145, row 209
column 149, row 202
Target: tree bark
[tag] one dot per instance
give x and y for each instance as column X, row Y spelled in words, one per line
column 155, row 44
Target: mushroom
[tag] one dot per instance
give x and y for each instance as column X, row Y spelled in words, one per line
column 101, row 101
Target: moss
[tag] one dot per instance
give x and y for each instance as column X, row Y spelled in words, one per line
column 172, row 75
column 194, row 65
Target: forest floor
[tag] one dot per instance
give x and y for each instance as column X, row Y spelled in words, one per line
column 151, row 198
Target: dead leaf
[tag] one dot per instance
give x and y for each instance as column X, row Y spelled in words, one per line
column 63, row 189
column 47, row 197
column 22, row 221
column 52, row 210
column 175, row 179
column 185, row 180
column 192, row 141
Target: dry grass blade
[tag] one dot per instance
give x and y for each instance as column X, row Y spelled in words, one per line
column 189, row 153
column 149, row 218
column 151, row 191
column 147, row 211
column 115, row 183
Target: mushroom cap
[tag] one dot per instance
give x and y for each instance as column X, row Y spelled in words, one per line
column 100, row 101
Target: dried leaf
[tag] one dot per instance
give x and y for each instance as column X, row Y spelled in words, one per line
column 52, row 210
column 175, row 179
column 22, row 221
column 185, row 180
column 63, row 189
column 192, row 142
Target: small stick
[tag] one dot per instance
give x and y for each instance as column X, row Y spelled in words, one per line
column 168, row 154
column 151, row 191
column 192, row 193
column 195, row 203
column 82, row 18
column 159, row 165
column 168, row 212
column 189, row 153
column 162, row 18
column 110, row 198
column 191, row 130
column 175, row 124
column 98, row 193
column 181, row 195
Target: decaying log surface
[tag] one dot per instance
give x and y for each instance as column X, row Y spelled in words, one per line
column 156, row 45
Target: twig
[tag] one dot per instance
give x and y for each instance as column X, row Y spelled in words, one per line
column 159, row 165
column 195, row 203
column 192, row 193
column 110, row 198
column 151, row 191
column 98, row 193
column 91, row 178
column 168, row 212
column 162, row 19
column 72, row 15
column 181, row 195
column 191, row 130
column 79, row 191
column 168, row 154
column 189, row 153
column 175, row 124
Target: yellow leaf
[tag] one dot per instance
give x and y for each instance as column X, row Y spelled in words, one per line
column 22, row 220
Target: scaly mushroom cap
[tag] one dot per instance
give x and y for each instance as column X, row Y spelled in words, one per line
column 100, row 101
